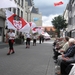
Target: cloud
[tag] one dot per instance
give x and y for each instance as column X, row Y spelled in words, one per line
column 51, row 10
column 48, row 2
column 48, row 10
column 46, row 7
column 47, row 20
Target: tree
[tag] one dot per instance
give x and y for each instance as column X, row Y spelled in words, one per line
column 59, row 23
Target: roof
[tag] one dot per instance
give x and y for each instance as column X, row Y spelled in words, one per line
column 50, row 28
column 29, row 2
column 34, row 10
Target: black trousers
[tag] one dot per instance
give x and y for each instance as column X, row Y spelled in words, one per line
column 68, row 69
column 40, row 41
column 63, row 67
column 28, row 41
column 11, row 44
column 34, row 41
column 56, row 54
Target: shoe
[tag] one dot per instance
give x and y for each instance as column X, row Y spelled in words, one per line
column 55, row 61
column 26, row 47
column 13, row 52
column 8, row 53
column 54, row 58
column 58, row 73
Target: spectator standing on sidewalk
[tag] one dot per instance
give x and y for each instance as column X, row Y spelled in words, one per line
column 11, row 37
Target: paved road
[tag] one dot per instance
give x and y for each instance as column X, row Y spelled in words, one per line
column 34, row 61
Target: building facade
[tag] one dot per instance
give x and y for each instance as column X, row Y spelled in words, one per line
column 33, row 12
column 25, row 9
column 65, row 15
column 2, row 25
column 71, row 18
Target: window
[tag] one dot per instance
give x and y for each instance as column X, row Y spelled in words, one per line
column 0, row 31
column 15, row 0
column 72, row 1
column 18, row 1
column 18, row 11
column 22, row 14
column 9, row 9
column 14, row 11
column 22, row 3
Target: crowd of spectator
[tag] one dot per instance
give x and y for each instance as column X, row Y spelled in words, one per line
column 64, row 56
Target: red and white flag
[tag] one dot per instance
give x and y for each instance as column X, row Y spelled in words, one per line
column 58, row 3
column 17, row 23
column 40, row 30
column 35, row 30
column 32, row 25
column 7, row 4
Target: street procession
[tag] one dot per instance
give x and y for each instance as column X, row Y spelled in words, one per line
column 37, row 37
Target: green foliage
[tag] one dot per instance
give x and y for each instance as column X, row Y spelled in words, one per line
column 59, row 23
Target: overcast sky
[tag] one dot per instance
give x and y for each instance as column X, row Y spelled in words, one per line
column 48, row 10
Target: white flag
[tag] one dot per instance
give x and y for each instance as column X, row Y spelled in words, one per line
column 7, row 4
column 20, row 24
column 32, row 25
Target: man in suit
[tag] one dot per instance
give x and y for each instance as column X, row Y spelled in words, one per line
column 66, row 66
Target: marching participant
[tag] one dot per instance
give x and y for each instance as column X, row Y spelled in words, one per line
column 28, row 40
column 11, row 37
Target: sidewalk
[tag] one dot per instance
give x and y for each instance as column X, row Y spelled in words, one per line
column 2, row 44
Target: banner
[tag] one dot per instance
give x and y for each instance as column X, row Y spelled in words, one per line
column 7, row 4
column 17, row 23
column 37, row 30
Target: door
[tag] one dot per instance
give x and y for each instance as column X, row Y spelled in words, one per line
column 0, row 34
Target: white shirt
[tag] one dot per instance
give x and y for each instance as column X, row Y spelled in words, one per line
column 11, row 35
column 27, row 36
column 34, row 37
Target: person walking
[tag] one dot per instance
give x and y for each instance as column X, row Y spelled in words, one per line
column 11, row 37
column 40, row 39
column 34, row 39
column 28, row 40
